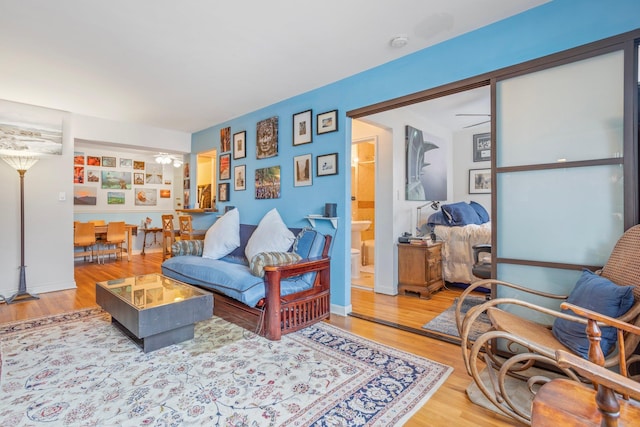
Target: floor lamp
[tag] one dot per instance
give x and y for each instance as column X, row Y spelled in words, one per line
column 22, row 165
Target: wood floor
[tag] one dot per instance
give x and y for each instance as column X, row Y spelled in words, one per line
column 449, row 406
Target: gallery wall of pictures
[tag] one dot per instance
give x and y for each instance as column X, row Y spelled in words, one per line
column 233, row 144
column 107, row 180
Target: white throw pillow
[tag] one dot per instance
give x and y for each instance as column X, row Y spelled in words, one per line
column 271, row 235
column 223, row 236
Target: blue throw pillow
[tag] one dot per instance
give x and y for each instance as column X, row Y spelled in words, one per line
column 598, row 294
column 436, row 218
column 480, row 210
column 460, row 213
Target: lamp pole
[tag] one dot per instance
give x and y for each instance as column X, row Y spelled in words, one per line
column 22, row 294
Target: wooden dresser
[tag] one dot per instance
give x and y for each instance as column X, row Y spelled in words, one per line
column 419, row 269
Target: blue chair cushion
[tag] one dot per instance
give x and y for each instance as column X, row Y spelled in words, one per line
column 598, row 294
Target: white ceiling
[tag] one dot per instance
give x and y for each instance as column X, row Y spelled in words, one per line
column 190, row 64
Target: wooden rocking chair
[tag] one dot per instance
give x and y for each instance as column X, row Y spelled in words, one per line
column 535, row 343
column 562, row 402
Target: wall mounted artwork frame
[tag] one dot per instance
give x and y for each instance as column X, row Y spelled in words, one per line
column 327, row 164
column 239, row 145
column 302, row 127
column 480, row 181
column 225, row 166
column 268, row 183
column 240, row 178
column 225, row 139
column 267, row 138
column 146, row 197
column 108, row 162
column 327, row 122
column 302, row 170
column 115, row 180
column 85, row 195
column 93, row 161
column 223, row 192
column 482, row 147
column 29, row 128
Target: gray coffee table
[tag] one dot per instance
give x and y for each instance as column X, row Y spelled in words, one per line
column 154, row 310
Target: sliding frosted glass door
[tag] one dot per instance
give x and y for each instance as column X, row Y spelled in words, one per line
column 560, row 171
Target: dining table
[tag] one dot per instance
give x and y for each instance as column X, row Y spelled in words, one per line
column 130, row 230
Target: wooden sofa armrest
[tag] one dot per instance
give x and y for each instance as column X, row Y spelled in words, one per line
column 273, row 275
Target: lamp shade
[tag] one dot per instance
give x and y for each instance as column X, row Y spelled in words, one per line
column 20, row 163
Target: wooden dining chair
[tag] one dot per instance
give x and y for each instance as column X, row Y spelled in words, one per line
column 84, row 236
column 168, row 235
column 115, row 237
column 100, row 237
column 186, row 227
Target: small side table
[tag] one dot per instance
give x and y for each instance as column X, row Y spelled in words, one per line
column 146, row 231
column 420, row 269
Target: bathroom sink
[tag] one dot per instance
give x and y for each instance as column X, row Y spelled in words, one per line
column 361, row 225
column 356, row 228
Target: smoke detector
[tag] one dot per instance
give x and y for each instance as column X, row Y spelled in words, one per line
column 399, row 41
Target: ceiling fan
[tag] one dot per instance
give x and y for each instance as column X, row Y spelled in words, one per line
column 475, row 115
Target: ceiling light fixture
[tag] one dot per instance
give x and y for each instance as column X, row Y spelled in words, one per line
column 166, row 158
column 399, row 41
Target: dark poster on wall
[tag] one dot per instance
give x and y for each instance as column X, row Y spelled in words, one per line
column 426, row 167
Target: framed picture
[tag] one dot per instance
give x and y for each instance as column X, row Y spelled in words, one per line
column 479, row 181
column 223, row 192
column 225, row 166
column 268, row 183
column 115, row 197
column 239, row 145
column 116, row 180
column 327, row 164
column 93, row 161
column 85, row 195
column 302, row 128
column 302, row 170
column 482, row 147
column 225, row 140
column 108, row 162
column 138, row 178
column 146, row 197
column 78, row 174
column 126, row 163
column 327, row 122
column 78, row 158
column 153, row 173
column 240, row 178
column 267, row 138
column 138, row 165
column 93, row 175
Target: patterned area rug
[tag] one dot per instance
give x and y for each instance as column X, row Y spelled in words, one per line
column 445, row 323
column 78, row 369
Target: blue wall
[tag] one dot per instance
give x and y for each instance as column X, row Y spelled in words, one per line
column 550, row 28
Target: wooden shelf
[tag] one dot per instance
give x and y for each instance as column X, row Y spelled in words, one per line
column 200, row 211
column 312, row 220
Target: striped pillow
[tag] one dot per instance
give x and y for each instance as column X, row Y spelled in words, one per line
column 187, row 247
column 262, row 259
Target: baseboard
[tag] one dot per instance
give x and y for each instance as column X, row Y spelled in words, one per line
column 341, row 310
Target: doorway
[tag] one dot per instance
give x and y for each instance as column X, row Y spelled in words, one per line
column 453, row 120
column 363, row 224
